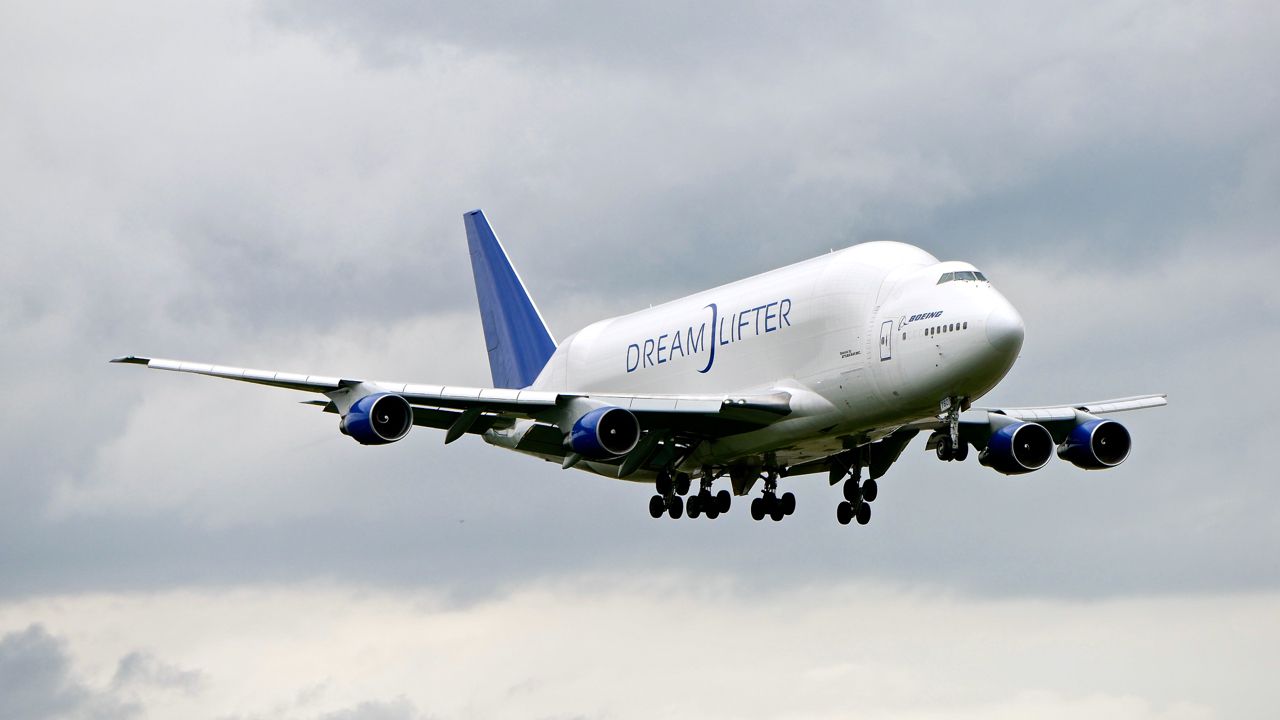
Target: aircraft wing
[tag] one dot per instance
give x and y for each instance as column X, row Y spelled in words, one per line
column 976, row 422
column 444, row 406
column 1068, row 412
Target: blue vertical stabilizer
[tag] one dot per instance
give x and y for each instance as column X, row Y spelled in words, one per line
column 518, row 340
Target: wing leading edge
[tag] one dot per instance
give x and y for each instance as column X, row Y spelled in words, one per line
column 445, row 406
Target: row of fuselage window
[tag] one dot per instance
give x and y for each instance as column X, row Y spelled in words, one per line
column 939, row 329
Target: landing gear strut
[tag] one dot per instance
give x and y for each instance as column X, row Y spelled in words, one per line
column 949, row 446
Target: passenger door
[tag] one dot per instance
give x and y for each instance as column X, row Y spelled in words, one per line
column 886, row 340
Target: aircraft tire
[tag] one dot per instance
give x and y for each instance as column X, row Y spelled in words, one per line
column 944, row 449
column 961, row 452
column 757, row 509
column 723, row 501
column 863, row 514
column 788, row 503
column 844, row 512
column 694, row 506
column 682, row 483
column 712, row 513
column 870, row 490
column 656, row 507
column 852, row 491
column 676, row 509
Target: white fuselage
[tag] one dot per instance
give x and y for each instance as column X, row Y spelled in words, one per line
column 862, row 338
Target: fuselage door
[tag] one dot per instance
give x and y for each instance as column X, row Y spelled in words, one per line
column 886, row 339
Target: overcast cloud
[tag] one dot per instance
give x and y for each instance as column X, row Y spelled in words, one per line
column 280, row 184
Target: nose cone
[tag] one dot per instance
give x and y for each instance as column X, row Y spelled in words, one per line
column 1004, row 328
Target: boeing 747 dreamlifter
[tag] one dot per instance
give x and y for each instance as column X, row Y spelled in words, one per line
column 832, row 365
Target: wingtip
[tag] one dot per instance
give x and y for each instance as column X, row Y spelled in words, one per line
column 131, row 360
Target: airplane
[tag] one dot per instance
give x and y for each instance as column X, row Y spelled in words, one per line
column 831, row 365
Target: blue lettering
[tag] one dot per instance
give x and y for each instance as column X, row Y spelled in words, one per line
column 633, row 364
column 721, row 333
column 784, row 307
column 742, row 322
column 675, row 345
column 768, row 316
column 711, row 360
column 648, row 352
column 695, row 343
column 662, row 347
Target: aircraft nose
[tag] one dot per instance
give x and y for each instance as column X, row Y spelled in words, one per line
column 1004, row 328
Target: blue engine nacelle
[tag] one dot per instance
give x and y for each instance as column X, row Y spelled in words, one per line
column 1017, row 448
column 1096, row 445
column 605, row 432
column 378, row 419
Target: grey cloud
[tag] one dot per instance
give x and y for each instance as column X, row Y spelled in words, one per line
column 144, row 669
column 37, row 683
column 634, row 37
column 399, row 709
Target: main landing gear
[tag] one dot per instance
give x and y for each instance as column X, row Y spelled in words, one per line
column 705, row 503
column 671, row 487
column 858, row 496
column 770, row 503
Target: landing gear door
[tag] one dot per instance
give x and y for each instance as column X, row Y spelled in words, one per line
column 886, row 340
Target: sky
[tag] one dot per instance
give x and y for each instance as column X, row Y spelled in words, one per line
column 281, row 184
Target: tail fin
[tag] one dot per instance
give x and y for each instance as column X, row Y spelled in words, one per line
column 518, row 340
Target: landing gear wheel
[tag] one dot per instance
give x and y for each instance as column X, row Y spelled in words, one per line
column 676, row 508
column 757, row 509
column 694, row 506
column 961, row 452
column 723, row 501
column 944, row 449
column 870, row 490
column 774, row 506
column 844, row 512
column 657, row 506
column 712, row 513
column 863, row 514
column 852, row 491
column 682, row 483
column 788, row 503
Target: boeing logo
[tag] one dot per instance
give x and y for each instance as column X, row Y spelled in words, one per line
column 705, row 337
column 925, row 316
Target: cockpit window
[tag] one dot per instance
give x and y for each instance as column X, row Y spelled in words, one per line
column 970, row 275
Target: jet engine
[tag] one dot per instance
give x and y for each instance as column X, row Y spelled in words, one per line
column 604, row 432
column 1017, row 448
column 378, row 419
column 1096, row 445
